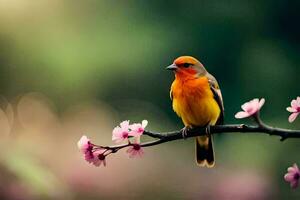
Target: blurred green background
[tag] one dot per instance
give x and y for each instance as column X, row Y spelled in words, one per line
column 69, row 68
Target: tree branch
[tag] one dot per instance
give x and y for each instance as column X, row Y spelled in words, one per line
column 260, row 127
column 229, row 128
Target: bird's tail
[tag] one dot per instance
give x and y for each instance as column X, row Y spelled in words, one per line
column 204, row 151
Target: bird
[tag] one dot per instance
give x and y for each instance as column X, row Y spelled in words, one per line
column 197, row 100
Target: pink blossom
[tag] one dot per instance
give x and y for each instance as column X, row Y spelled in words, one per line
column 293, row 176
column 121, row 133
column 99, row 157
column 137, row 129
column 135, row 150
column 96, row 157
column 250, row 108
column 91, row 155
column 294, row 109
column 84, row 144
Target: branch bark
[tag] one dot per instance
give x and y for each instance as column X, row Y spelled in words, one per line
column 260, row 127
column 228, row 128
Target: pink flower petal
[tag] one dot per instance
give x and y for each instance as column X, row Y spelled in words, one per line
column 255, row 102
column 292, row 170
column 298, row 101
column 104, row 163
column 137, row 129
column 96, row 161
column 141, row 152
column 135, row 151
column 255, row 106
column 294, row 184
column 294, row 104
column 84, row 144
column 290, row 109
column 121, row 133
column 83, row 140
column 292, row 117
column 246, row 106
column 289, row 177
column 89, row 157
column 124, row 124
column 133, row 154
column 241, row 115
column 250, row 108
column 130, row 150
column 116, row 132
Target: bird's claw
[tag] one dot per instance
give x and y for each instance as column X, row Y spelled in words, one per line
column 207, row 130
column 185, row 132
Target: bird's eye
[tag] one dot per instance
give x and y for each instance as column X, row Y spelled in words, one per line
column 186, row 65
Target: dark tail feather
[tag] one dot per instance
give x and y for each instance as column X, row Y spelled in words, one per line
column 204, row 151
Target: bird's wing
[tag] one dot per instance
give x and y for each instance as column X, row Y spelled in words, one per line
column 214, row 86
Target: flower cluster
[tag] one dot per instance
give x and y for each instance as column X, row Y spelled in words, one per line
column 131, row 134
column 125, row 132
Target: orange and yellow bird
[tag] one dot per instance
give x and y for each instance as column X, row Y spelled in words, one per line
column 197, row 99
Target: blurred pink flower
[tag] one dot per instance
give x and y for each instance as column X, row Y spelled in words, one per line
column 294, row 109
column 91, row 155
column 137, row 129
column 250, row 108
column 293, row 176
column 238, row 184
column 99, row 157
column 84, row 144
column 96, row 157
column 121, row 133
column 135, row 150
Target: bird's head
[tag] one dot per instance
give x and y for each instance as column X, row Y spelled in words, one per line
column 187, row 66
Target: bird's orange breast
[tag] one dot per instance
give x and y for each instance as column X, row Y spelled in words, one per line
column 193, row 101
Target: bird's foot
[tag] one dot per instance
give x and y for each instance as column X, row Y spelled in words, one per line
column 184, row 132
column 207, row 130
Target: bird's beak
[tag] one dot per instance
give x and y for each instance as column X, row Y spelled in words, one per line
column 172, row 67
